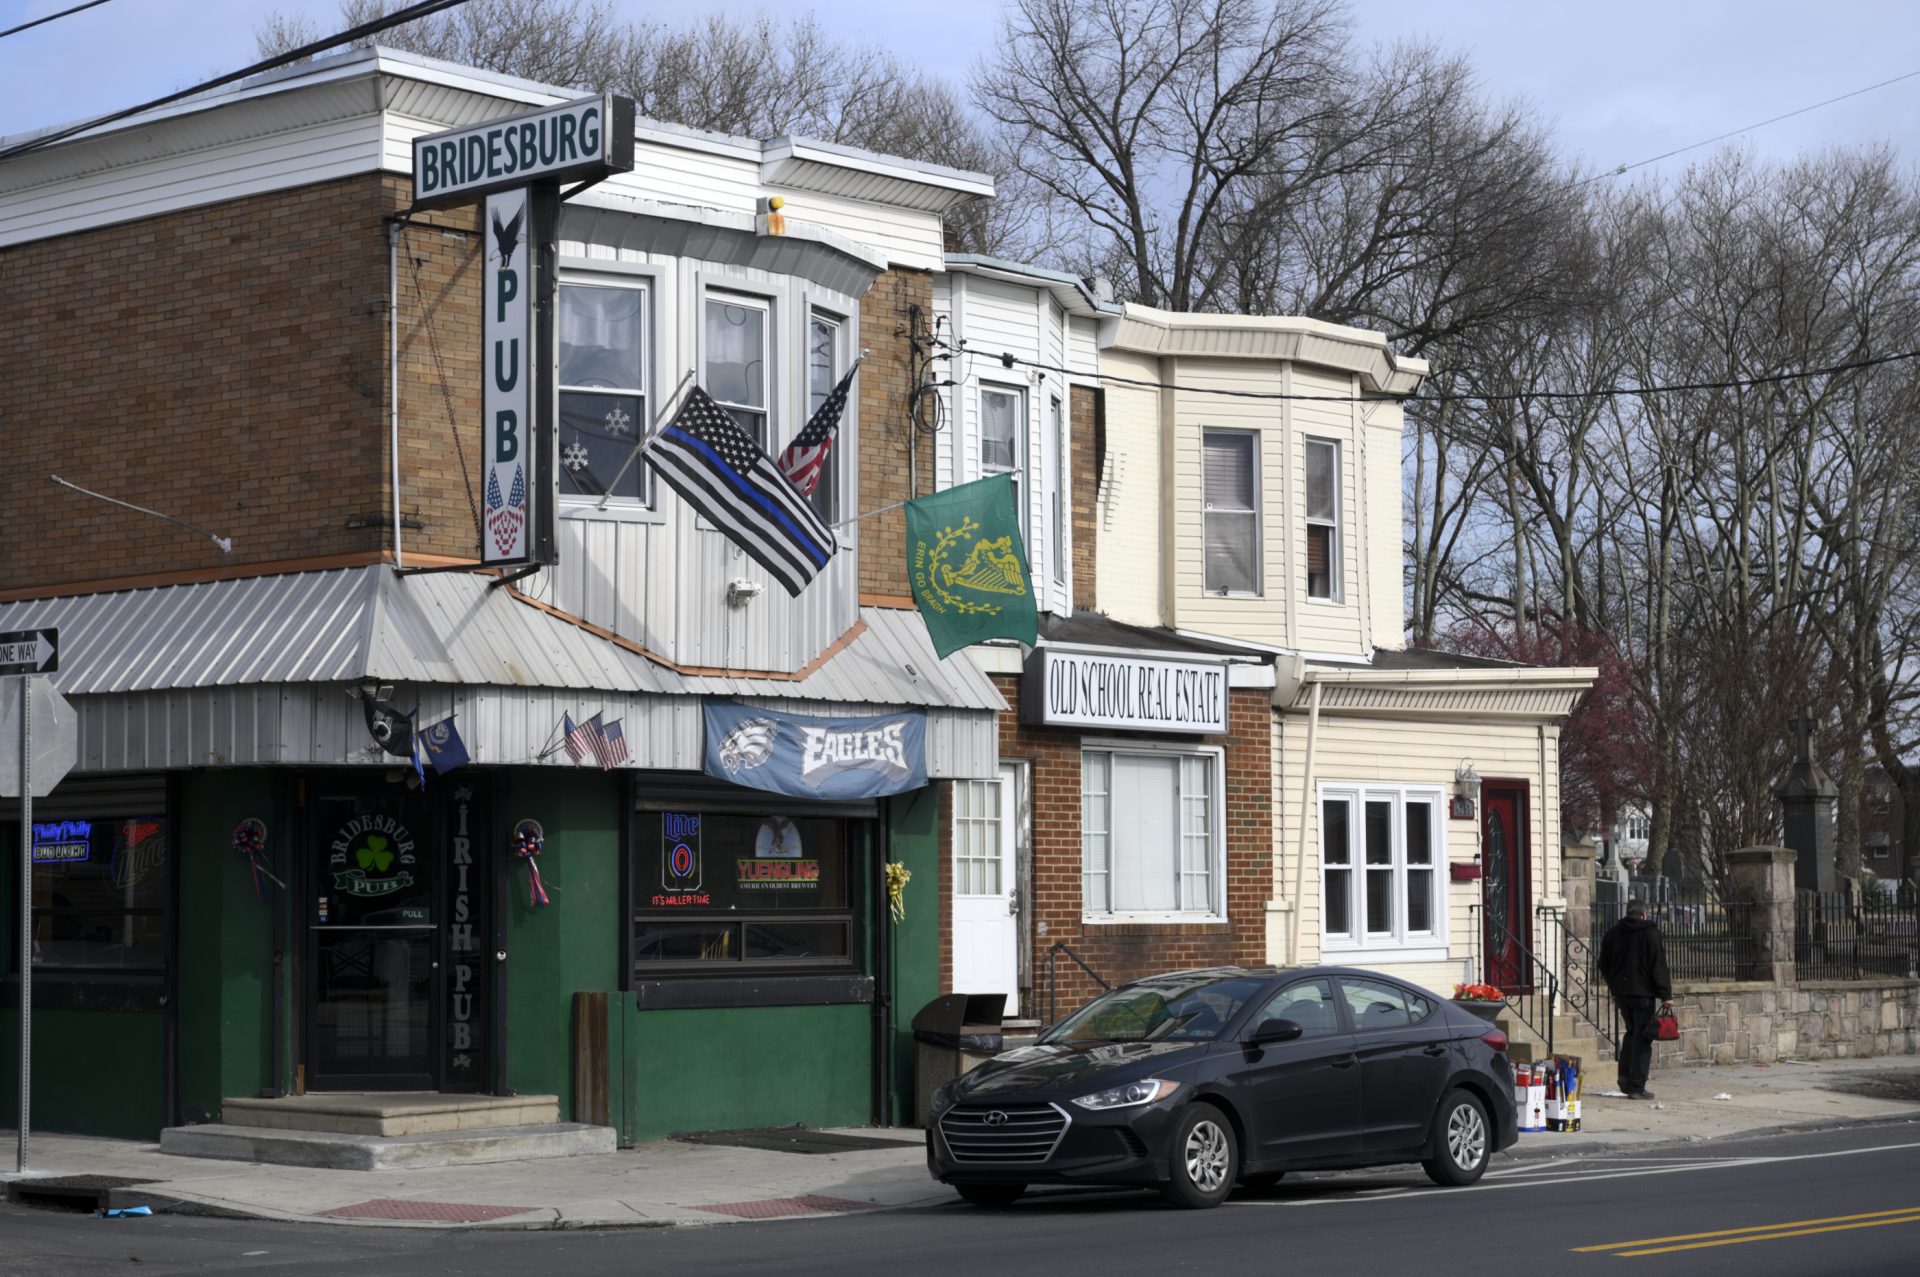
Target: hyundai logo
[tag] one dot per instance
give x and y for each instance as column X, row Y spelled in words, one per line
column 995, row 1118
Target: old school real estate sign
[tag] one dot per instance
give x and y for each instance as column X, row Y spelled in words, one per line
column 1136, row 693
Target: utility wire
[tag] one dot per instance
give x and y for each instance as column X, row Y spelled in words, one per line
column 424, row 9
column 28, row 26
column 1010, row 360
column 1694, row 146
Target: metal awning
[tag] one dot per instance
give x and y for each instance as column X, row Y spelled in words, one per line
column 356, row 624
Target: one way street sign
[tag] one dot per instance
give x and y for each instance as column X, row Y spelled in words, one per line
column 29, row 651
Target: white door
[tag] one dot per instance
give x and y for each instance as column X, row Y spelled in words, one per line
column 986, row 926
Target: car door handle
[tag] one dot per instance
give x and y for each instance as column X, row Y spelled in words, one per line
column 1346, row 1061
column 1433, row 1048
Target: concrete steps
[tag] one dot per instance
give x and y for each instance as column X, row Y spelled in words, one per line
column 385, row 1132
column 1571, row 1036
column 390, row 1113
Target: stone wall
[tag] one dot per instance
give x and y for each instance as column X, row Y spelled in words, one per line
column 1759, row 1023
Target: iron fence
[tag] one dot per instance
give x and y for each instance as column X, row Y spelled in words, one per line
column 1706, row 938
column 1845, row 935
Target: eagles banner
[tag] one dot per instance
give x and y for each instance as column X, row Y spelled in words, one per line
column 811, row 757
column 968, row 565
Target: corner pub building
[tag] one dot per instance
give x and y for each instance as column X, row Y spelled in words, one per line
column 217, row 312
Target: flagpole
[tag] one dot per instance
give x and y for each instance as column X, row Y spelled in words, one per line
column 640, row 445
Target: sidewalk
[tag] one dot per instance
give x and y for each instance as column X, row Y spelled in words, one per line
column 671, row 1183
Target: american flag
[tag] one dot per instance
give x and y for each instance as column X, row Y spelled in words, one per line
column 806, row 456
column 610, row 746
column 720, row 471
column 579, row 736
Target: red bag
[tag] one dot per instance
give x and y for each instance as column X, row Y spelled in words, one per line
column 1666, row 1028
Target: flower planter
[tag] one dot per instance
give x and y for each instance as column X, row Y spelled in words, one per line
column 1488, row 1011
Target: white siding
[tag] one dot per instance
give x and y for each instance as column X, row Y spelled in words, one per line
column 1127, row 515
column 1414, row 750
column 300, row 157
column 908, row 237
column 1380, row 466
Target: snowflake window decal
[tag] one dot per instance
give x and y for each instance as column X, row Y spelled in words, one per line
column 574, row 457
column 618, row 421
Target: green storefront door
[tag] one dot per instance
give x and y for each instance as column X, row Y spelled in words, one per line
column 373, row 942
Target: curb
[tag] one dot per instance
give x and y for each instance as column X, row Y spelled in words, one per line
column 1547, row 1151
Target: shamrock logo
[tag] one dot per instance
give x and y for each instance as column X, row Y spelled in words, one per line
column 375, row 854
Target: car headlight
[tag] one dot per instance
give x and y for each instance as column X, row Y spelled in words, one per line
column 941, row 1100
column 1145, row 1091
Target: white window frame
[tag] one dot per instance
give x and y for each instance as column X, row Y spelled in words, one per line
column 646, row 508
column 1022, row 480
column 1216, row 760
column 715, row 296
column 836, row 469
column 1400, row 944
column 1259, row 517
column 1335, row 586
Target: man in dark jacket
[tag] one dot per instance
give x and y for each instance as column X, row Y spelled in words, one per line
column 1634, row 963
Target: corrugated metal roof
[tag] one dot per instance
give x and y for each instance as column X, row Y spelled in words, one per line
column 359, row 623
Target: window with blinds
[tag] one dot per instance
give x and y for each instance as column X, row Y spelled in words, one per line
column 1151, row 841
column 1323, row 519
column 1231, row 511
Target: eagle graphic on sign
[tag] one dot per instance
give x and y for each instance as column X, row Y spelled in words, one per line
column 506, row 237
column 748, row 745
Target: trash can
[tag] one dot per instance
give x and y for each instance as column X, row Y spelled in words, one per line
column 951, row 1034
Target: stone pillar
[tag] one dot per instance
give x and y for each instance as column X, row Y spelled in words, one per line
column 1763, row 879
column 1807, row 814
column 1577, row 858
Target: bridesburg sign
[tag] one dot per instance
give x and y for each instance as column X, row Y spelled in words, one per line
column 572, row 141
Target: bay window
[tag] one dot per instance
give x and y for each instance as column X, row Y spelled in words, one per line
column 736, row 335
column 1323, row 519
column 1152, row 834
column 603, row 398
column 1379, row 868
column 1231, row 512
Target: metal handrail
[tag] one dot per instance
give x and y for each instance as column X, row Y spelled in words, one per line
column 1053, row 982
column 1527, row 1004
column 1585, row 987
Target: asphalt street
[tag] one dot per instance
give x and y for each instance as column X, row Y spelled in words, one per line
column 1835, row 1201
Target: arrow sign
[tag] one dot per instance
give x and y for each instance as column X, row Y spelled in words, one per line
column 29, row 651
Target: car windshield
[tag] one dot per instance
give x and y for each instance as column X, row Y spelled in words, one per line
column 1193, row 1010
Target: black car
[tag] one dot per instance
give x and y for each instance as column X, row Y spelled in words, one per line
column 1194, row 1081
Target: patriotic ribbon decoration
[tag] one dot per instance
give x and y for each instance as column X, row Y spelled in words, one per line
column 250, row 841
column 527, row 845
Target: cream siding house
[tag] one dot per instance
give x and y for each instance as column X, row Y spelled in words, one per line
column 1253, row 498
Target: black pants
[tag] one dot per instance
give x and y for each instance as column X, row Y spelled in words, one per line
column 1636, row 1042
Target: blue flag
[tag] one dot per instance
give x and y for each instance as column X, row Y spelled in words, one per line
column 444, row 748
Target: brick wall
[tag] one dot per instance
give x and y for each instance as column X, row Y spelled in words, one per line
column 885, row 380
column 228, row 365
column 1083, row 405
column 1127, row 951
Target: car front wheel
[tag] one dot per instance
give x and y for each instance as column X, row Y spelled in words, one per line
column 993, row 1195
column 1462, row 1141
column 1203, row 1160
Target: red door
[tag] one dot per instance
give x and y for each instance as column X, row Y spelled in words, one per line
column 1505, row 895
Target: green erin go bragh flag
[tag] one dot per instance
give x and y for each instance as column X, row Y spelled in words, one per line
column 968, row 565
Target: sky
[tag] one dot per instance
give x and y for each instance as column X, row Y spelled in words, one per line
column 1618, row 83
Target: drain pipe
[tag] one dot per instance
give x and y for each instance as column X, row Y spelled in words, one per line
column 393, row 378
column 1306, row 809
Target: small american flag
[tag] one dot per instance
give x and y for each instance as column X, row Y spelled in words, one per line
column 579, row 736
column 611, row 746
column 806, row 456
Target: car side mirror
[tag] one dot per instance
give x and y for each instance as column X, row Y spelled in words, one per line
column 1275, row 1030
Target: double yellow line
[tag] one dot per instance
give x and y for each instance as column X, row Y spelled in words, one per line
column 1758, row 1233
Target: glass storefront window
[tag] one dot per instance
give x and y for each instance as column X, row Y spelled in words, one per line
column 715, row 890
column 100, row 895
